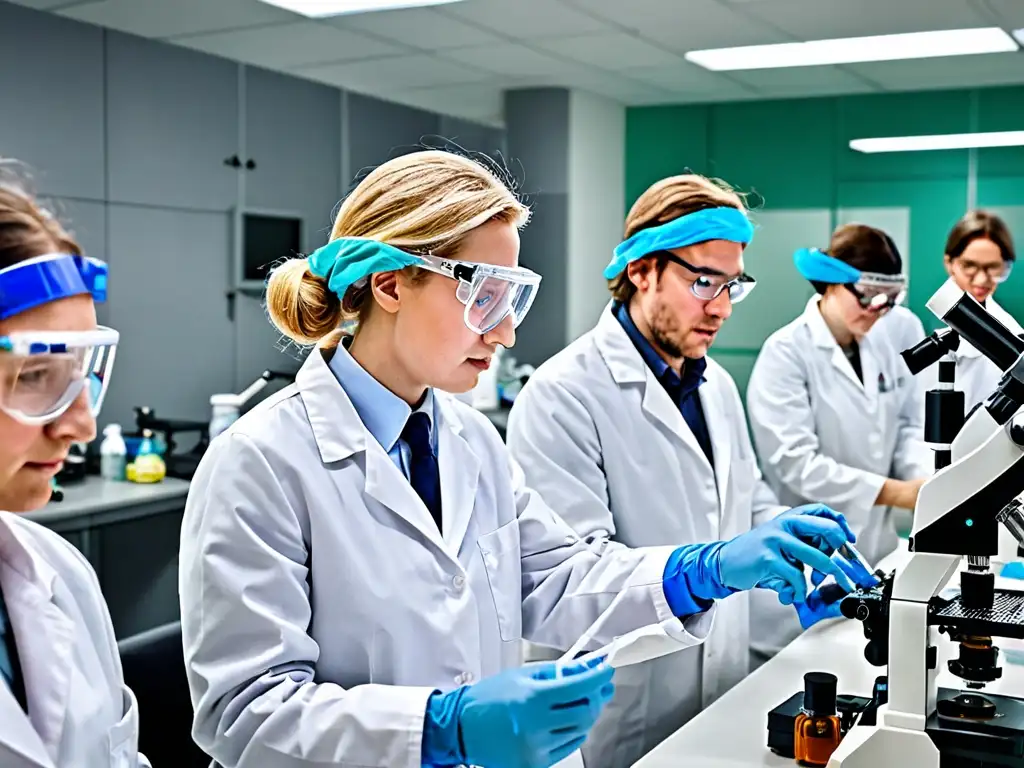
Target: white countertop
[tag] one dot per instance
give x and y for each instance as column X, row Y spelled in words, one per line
column 732, row 732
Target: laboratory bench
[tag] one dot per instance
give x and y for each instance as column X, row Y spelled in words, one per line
column 732, row 732
column 130, row 534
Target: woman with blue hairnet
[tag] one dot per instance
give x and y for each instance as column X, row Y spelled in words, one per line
column 361, row 559
column 834, row 412
column 63, row 701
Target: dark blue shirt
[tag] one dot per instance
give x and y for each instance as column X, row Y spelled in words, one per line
column 683, row 391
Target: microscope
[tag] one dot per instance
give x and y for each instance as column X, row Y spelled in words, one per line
column 979, row 474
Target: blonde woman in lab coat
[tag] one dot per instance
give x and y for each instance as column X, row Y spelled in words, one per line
column 834, row 411
column 979, row 257
column 63, row 702
column 361, row 559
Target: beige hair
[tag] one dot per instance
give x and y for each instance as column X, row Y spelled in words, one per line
column 27, row 228
column 421, row 202
column 665, row 201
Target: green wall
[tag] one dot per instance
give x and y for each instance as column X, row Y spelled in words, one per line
column 793, row 156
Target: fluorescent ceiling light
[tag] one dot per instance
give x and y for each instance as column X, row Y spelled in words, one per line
column 318, row 9
column 945, row 141
column 848, row 50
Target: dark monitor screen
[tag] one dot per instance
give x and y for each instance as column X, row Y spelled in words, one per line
column 266, row 239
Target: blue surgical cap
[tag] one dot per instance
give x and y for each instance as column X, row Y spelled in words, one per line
column 814, row 264
column 345, row 261
column 697, row 227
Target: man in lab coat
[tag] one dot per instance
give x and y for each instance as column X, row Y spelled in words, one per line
column 638, row 437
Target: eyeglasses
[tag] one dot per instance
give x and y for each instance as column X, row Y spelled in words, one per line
column 997, row 273
column 708, row 287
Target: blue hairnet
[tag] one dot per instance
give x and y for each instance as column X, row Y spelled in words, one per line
column 818, row 266
column 347, row 260
column 698, row 227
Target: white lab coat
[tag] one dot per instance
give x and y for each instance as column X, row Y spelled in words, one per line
column 599, row 437
column 80, row 713
column 823, row 436
column 976, row 375
column 902, row 326
column 321, row 606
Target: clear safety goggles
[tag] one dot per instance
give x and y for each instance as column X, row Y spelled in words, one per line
column 997, row 273
column 879, row 293
column 490, row 293
column 708, row 287
column 43, row 372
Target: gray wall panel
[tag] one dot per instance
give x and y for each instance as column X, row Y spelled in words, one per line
column 537, row 136
column 51, row 89
column 379, row 130
column 86, row 220
column 169, row 302
column 172, row 119
column 291, row 132
column 545, row 330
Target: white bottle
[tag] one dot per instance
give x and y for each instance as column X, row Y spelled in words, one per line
column 225, row 413
column 113, row 453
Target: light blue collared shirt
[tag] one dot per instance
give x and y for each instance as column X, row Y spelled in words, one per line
column 382, row 412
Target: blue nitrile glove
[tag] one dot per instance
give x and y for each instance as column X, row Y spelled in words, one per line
column 519, row 718
column 770, row 556
column 822, row 603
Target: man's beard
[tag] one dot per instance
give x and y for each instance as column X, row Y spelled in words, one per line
column 661, row 334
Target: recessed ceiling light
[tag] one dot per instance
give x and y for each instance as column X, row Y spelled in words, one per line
column 318, row 9
column 943, row 141
column 849, row 50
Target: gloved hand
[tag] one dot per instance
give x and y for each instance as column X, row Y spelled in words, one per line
column 822, row 603
column 520, row 718
column 771, row 556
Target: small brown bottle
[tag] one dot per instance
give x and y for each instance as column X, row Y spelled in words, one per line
column 817, row 729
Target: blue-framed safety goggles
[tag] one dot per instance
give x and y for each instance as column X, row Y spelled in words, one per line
column 43, row 372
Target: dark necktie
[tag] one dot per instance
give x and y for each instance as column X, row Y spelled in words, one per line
column 423, row 471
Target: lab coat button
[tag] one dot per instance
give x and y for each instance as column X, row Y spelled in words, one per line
column 459, row 582
column 469, row 677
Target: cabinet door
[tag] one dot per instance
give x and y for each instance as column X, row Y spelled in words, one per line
column 376, row 131
column 172, row 120
column 293, row 134
column 168, row 286
column 51, row 89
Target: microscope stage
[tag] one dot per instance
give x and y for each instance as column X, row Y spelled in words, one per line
column 1004, row 619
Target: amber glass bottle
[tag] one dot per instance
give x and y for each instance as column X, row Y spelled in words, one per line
column 817, row 726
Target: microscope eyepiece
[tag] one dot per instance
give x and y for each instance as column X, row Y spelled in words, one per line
column 930, row 350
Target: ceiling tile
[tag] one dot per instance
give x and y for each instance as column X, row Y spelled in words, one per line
column 683, row 26
column 509, row 59
column 398, row 73
column 291, row 46
column 1008, row 12
column 610, row 50
column 949, row 72
column 803, row 80
column 827, row 19
column 526, row 18
column 417, row 27
column 169, row 18
column 683, row 77
column 47, row 5
column 485, row 103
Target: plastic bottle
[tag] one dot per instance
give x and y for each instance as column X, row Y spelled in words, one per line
column 225, row 413
column 113, row 453
column 148, row 467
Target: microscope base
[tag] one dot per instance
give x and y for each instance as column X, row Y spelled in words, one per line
column 947, row 742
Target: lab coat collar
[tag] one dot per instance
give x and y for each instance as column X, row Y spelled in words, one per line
column 340, row 434
column 627, row 366
column 822, row 337
column 28, row 583
column 383, row 413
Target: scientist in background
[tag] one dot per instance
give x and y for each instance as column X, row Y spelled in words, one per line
column 360, row 558
column 834, row 411
column 63, row 701
column 634, row 434
column 979, row 257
